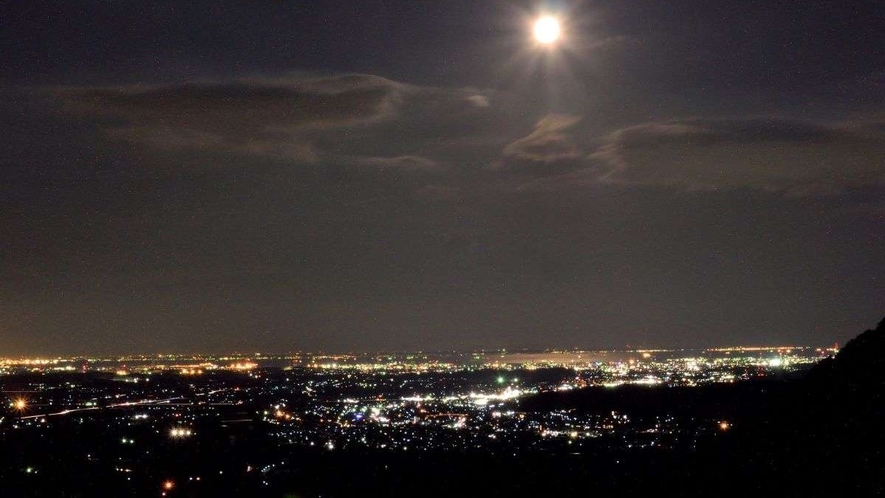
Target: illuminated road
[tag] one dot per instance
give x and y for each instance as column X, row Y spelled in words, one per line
column 147, row 402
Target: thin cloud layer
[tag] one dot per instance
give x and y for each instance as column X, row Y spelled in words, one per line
column 267, row 117
column 771, row 154
column 250, row 106
column 549, row 142
column 375, row 123
column 478, row 100
column 356, row 119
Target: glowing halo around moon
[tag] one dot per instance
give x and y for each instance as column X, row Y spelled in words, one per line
column 547, row 30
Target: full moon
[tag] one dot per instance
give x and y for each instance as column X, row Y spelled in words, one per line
column 546, row 30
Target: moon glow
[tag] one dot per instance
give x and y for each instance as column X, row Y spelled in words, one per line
column 546, row 30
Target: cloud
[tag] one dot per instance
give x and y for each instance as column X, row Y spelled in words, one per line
column 352, row 119
column 252, row 116
column 478, row 100
column 377, row 124
column 790, row 156
column 249, row 105
column 549, row 142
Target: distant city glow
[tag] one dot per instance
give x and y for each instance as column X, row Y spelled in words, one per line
column 246, row 365
column 391, row 402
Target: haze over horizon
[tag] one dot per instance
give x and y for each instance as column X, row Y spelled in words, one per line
column 627, row 348
column 401, row 175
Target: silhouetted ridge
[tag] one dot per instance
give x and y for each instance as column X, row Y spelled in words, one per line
column 820, row 435
column 826, row 437
column 861, row 361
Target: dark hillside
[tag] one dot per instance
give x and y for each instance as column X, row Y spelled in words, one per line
column 825, row 436
column 822, row 434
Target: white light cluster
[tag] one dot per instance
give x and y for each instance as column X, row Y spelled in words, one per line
column 180, row 432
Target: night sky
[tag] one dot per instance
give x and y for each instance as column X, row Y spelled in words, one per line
column 343, row 175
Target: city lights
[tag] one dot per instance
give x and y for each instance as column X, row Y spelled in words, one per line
column 246, row 365
column 385, row 403
column 180, row 432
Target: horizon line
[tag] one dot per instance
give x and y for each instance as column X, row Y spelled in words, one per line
column 105, row 356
